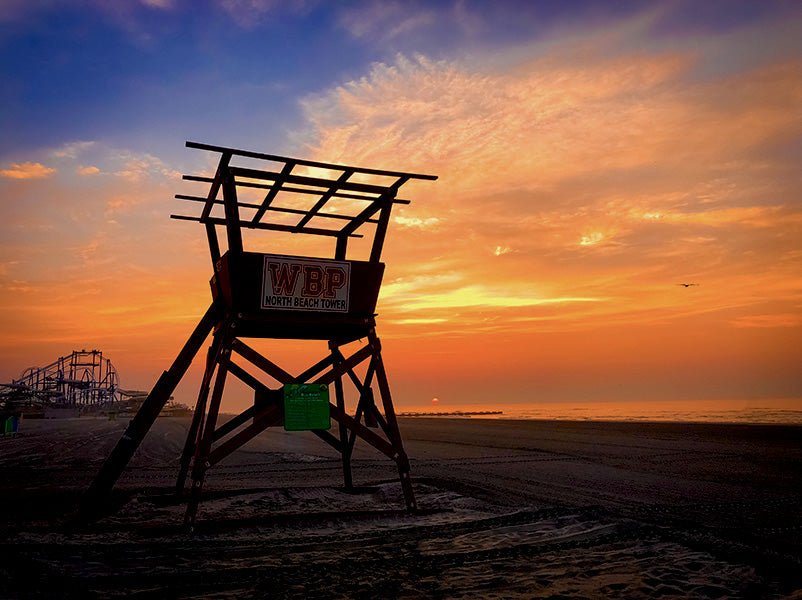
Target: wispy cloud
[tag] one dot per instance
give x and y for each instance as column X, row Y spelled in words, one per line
column 250, row 13
column 773, row 320
column 624, row 164
column 416, row 222
column 478, row 295
column 140, row 167
column 72, row 150
column 380, row 19
column 161, row 4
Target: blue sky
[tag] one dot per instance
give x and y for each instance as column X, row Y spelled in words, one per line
column 591, row 156
column 146, row 70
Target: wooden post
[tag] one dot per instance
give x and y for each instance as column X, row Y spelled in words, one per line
column 345, row 449
column 395, row 435
column 200, row 462
column 197, row 419
column 140, row 425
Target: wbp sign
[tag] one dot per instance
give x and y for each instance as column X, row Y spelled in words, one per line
column 292, row 283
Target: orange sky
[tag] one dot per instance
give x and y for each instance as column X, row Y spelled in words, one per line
column 581, row 178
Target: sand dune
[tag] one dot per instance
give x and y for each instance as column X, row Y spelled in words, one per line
column 510, row 509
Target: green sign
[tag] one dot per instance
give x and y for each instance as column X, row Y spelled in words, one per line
column 306, row 406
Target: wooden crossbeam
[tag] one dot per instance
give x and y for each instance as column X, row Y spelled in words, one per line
column 260, row 361
column 267, row 226
column 216, row 182
column 366, row 434
column 287, row 188
column 323, row 199
column 340, row 369
column 306, row 163
column 369, row 211
column 314, row 182
column 254, row 410
column 235, row 422
column 273, row 191
column 262, row 420
column 315, row 369
column 282, row 209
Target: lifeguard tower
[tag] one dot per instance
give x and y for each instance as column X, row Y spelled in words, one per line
column 282, row 296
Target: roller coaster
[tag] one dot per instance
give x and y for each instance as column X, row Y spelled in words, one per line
column 82, row 379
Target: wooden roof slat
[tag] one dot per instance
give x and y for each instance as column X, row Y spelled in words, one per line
column 323, row 199
column 306, row 163
column 371, row 209
column 293, row 211
column 216, row 182
column 310, row 181
column 271, row 195
column 286, row 188
column 337, row 183
column 269, row 226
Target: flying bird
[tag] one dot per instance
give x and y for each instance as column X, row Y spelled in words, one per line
column 687, row 284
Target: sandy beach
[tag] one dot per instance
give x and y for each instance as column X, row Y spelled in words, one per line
column 509, row 509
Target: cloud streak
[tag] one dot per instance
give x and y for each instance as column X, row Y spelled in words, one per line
column 27, row 170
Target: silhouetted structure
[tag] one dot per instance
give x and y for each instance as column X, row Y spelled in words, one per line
column 258, row 295
column 82, row 379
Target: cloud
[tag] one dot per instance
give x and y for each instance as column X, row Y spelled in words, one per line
column 145, row 166
column 753, row 216
column 82, row 170
column 544, row 121
column 613, row 173
column 72, row 150
column 383, row 19
column 416, row 222
column 420, row 321
column 27, row 170
column 250, row 13
column 773, row 320
column 481, row 296
column 162, row 4
column 592, row 239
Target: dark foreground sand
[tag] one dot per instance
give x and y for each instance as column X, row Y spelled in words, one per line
column 511, row 509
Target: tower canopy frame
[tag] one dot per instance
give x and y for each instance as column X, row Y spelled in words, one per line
column 369, row 194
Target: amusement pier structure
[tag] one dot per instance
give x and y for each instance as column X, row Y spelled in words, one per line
column 317, row 218
column 82, row 380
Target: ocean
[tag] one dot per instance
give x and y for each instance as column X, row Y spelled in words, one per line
column 788, row 412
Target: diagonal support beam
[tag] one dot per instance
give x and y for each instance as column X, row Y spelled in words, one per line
column 275, row 398
column 271, row 195
column 366, row 434
column 324, row 198
column 340, row 369
column 260, row 361
column 140, row 425
column 315, row 369
column 222, row 166
column 269, row 416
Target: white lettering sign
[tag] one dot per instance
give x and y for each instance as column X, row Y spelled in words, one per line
column 293, row 283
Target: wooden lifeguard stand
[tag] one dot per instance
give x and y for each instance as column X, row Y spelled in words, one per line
column 258, row 295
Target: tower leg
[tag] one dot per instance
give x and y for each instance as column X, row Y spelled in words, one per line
column 197, row 417
column 200, row 463
column 400, row 456
column 345, row 448
column 348, row 480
